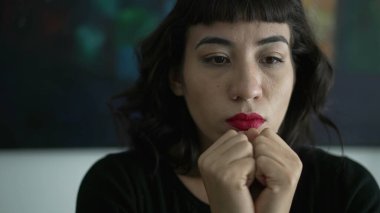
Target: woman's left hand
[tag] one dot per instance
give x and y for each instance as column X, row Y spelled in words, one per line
column 278, row 169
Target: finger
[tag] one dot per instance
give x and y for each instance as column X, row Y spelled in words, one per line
column 232, row 149
column 229, row 143
column 229, row 134
column 269, row 133
column 270, row 144
column 273, row 175
column 267, row 169
column 263, row 146
column 245, row 168
column 284, row 156
column 241, row 149
column 252, row 134
column 213, row 154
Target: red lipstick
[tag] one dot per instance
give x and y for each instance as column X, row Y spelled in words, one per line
column 243, row 121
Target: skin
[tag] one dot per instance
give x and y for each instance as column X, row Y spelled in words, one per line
column 231, row 68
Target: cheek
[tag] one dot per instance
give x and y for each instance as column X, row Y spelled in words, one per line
column 201, row 95
column 201, row 85
column 279, row 99
column 204, row 95
column 194, row 86
column 285, row 92
column 279, row 89
column 195, row 91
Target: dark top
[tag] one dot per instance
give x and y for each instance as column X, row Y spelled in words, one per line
column 122, row 183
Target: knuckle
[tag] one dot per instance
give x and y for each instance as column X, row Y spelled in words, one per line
column 260, row 147
column 248, row 145
column 246, row 148
column 201, row 159
column 208, row 167
column 260, row 138
column 266, row 132
column 298, row 167
column 261, row 160
column 232, row 132
column 296, row 161
column 204, row 162
column 242, row 137
column 250, row 162
column 201, row 164
column 291, row 178
column 237, row 172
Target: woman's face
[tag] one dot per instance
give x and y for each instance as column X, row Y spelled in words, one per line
column 232, row 68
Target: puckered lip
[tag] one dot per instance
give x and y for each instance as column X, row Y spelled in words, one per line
column 245, row 121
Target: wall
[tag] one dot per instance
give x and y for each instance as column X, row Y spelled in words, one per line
column 46, row 181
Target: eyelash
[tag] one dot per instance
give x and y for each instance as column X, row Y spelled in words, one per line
column 274, row 60
column 211, row 60
column 225, row 60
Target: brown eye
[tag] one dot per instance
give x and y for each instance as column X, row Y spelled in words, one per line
column 220, row 60
column 217, row 60
column 270, row 60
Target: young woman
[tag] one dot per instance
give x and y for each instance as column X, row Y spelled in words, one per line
column 219, row 120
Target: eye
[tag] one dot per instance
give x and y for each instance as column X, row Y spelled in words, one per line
column 271, row 60
column 217, row 60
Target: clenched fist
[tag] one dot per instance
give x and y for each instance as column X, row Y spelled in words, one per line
column 237, row 159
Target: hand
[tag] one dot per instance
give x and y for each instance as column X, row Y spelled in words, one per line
column 227, row 168
column 278, row 169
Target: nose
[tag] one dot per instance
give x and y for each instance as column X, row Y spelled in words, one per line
column 246, row 84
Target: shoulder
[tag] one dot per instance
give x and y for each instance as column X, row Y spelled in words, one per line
column 339, row 181
column 118, row 161
column 332, row 164
column 112, row 183
column 123, row 166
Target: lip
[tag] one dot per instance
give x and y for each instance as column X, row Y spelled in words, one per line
column 244, row 121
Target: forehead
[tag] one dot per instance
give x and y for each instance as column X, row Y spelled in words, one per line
column 239, row 31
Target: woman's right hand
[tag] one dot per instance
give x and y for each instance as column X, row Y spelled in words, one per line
column 227, row 168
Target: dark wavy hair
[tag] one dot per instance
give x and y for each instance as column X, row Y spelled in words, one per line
column 158, row 122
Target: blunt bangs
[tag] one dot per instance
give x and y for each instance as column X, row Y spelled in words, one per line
column 208, row 12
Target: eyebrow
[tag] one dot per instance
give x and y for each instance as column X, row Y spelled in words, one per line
column 225, row 42
column 214, row 40
column 272, row 39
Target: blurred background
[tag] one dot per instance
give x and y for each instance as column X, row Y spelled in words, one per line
column 62, row 60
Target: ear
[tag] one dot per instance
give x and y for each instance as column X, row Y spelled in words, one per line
column 176, row 84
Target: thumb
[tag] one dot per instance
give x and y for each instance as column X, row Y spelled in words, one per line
column 252, row 134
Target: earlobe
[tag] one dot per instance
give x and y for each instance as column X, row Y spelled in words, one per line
column 176, row 84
